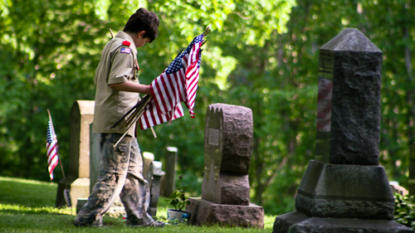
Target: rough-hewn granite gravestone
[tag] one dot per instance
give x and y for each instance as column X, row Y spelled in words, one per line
column 77, row 178
column 344, row 190
column 228, row 144
column 225, row 188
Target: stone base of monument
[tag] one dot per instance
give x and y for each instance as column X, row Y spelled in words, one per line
column 232, row 189
column 115, row 211
column 205, row 212
column 297, row 222
column 79, row 188
column 342, row 198
column 345, row 191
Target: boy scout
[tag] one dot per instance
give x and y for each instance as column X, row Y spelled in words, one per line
column 116, row 93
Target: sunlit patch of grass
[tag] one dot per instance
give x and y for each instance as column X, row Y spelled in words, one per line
column 27, row 192
column 28, row 206
column 8, row 208
column 20, row 180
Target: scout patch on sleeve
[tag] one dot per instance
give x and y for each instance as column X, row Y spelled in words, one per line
column 125, row 50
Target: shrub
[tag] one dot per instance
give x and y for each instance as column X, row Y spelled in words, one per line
column 405, row 210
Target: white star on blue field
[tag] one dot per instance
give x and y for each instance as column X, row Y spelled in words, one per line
column 177, row 62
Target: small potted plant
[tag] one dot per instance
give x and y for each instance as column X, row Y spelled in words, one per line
column 178, row 201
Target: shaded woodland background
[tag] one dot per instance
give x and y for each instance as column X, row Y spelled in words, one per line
column 262, row 54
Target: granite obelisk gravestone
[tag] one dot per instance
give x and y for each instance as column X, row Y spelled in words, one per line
column 225, row 188
column 344, row 189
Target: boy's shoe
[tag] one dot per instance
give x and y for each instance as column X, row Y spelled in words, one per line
column 85, row 222
column 157, row 224
column 153, row 224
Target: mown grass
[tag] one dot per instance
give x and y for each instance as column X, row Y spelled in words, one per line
column 28, row 206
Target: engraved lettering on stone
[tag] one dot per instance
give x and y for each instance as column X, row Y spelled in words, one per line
column 213, row 137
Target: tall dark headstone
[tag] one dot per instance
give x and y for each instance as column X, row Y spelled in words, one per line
column 344, row 189
column 348, row 102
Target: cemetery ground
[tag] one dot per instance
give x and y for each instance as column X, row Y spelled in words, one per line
column 29, row 206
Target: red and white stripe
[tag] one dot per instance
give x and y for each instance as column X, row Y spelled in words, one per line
column 169, row 90
column 52, row 157
column 52, row 150
column 324, row 105
column 192, row 78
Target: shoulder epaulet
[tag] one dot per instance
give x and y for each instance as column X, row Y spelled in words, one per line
column 126, row 42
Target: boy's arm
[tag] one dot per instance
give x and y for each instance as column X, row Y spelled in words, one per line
column 122, row 70
column 131, row 87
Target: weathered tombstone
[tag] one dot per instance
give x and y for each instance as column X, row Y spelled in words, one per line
column 225, row 188
column 77, row 179
column 228, row 144
column 147, row 159
column 344, row 189
column 153, row 177
column 168, row 182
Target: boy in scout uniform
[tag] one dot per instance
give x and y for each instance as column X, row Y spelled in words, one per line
column 117, row 92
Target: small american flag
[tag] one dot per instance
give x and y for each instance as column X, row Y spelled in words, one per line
column 51, row 147
column 178, row 83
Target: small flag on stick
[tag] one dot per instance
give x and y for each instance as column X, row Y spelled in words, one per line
column 53, row 158
column 51, row 147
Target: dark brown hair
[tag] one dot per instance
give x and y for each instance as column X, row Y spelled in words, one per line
column 143, row 20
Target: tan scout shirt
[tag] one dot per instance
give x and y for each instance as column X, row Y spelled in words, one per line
column 114, row 67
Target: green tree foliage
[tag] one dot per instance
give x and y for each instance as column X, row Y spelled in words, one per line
column 261, row 54
column 45, row 62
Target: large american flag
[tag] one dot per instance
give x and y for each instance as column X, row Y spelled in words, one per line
column 178, row 83
column 52, row 148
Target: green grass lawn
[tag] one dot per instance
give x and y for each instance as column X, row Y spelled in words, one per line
column 28, row 206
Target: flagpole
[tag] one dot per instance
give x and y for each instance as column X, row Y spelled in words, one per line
column 57, row 145
column 137, row 116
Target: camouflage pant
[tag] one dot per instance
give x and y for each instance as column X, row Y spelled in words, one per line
column 120, row 174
